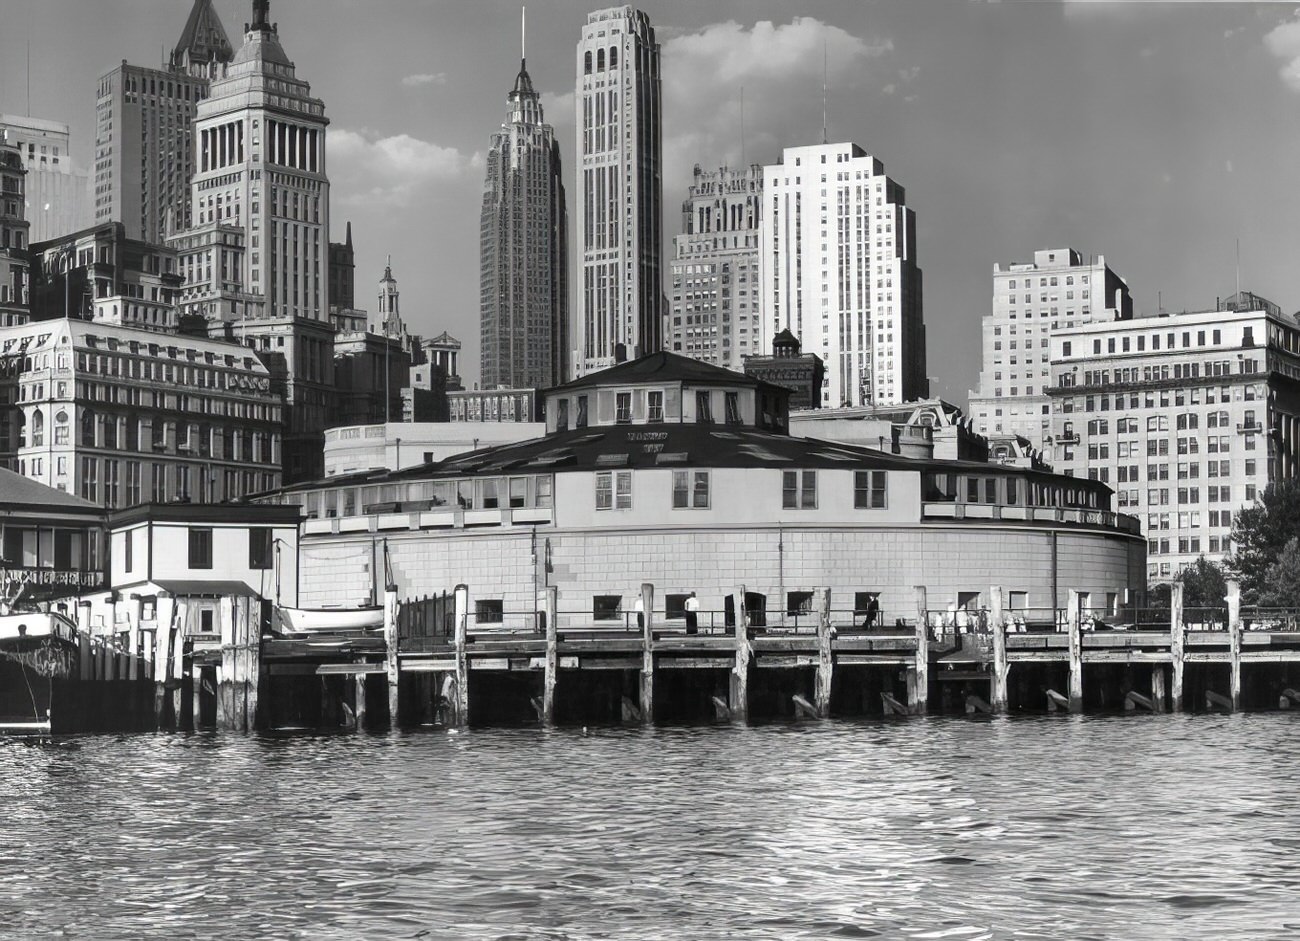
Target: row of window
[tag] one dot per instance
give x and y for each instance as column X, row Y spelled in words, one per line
column 691, row 490
column 261, row 548
column 1124, row 344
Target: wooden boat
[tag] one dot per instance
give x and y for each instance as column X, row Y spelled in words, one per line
column 330, row 620
column 36, row 649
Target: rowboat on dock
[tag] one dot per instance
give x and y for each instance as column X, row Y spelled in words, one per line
column 330, row 620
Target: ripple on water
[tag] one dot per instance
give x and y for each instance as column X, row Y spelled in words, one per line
column 936, row 828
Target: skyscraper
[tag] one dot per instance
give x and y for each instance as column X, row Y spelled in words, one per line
column 840, row 273
column 14, row 263
column 523, row 250
column 715, row 287
column 618, row 294
column 1057, row 291
column 144, row 143
column 57, row 192
column 260, row 217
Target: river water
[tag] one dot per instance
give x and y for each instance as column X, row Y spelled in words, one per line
column 1055, row 827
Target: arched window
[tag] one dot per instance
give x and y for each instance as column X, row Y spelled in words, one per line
column 38, row 429
column 586, row 64
column 87, row 429
column 22, row 429
column 613, row 57
column 600, row 60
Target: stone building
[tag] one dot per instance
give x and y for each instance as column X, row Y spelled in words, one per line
column 14, row 229
column 1188, row 416
column 715, row 298
column 58, row 191
column 801, row 373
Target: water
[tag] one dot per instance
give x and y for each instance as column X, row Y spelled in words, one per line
column 1121, row 827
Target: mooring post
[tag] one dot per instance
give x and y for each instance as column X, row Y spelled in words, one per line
column 254, row 664
column 1177, row 632
column 359, row 701
column 1234, row 643
column 165, row 611
column 1158, row 687
column 240, row 686
column 825, row 652
column 1076, row 653
column 460, row 704
column 919, row 689
column 133, row 637
column 226, row 670
column 196, row 694
column 998, row 622
column 392, row 665
column 648, row 655
column 739, row 698
column 550, row 677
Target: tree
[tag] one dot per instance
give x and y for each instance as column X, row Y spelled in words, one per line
column 1204, row 584
column 1281, row 584
column 1262, row 531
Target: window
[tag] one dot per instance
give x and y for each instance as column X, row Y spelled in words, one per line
column 260, row 548
column 128, row 560
column 489, row 611
column 656, row 404
column 606, row 607
column 205, row 621
column 690, row 489
column 793, row 495
column 703, row 407
column 614, row 490
column 562, row 415
column 201, row 547
column 733, row 408
column 581, row 421
column 623, row 407
column 869, row 490
column 798, row 602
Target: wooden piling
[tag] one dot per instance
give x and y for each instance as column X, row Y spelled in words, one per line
column 1158, row 687
column 648, row 655
column 196, row 695
column 825, row 654
column 225, row 671
column 133, row 637
column 359, row 699
column 392, row 664
column 721, row 709
column 551, row 676
column 1215, row 700
column 1056, row 702
column 1133, row 699
column 1176, row 646
column 163, row 634
column 460, row 698
column 239, row 665
column 1076, row 653
column 998, row 622
column 975, row 704
column 738, row 701
column 918, row 690
column 892, row 706
column 1234, row 643
column 803, row 709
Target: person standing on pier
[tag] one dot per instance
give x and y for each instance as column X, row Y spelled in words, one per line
column 692, row 614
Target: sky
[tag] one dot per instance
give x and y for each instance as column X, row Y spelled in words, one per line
column 1157, row 134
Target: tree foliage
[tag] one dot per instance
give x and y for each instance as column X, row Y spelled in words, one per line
column 1205, row 584
column 1281, row 585
column 1261, row 533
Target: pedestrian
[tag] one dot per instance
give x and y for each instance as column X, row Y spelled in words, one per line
column 692, row 614
column 873, row 611
column 639, row 608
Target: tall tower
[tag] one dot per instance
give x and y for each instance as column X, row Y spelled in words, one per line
column 523, row 250
column 389, row 317
column 715, row 287
column 840, row 273
column 144, row 141
column 618, row 294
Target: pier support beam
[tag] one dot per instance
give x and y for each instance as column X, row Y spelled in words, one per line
column 550, row 610
column 918, row 689
column 1158, row 687
column 196, row 694
column 1234, row 643
column 825, row 655
column 162, row 659
column 392, row 664
column 1076, row 653
column 359, row 698
column 648, row 655
column 1176, row 644
column 460, row 694
column 738, row 700
column 998, row 621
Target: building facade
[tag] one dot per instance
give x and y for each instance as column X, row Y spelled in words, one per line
column 618, row 293
column 121, row 416
column 1188, row 416
column 14, row 232
column 801, row 373
column 840, row 272
column 1057, row 291
column 144, row 139
column 670, row 471
column 58, row 192
column 354, row 449
column 523, row 250
column 715, row 314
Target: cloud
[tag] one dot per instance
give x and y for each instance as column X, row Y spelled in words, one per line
column 1284, row 42
column 425, row 78
column 366, row 168
column 778, row 69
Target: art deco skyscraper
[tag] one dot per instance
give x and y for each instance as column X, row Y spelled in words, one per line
column 523, row 250
column 840, row 273
column 144, row 141
column 618, row 295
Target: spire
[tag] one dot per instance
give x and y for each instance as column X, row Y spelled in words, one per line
column 261, row 10
column 203, row 40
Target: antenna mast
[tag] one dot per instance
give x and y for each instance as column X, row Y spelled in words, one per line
column 523, row 32
column 825, row 138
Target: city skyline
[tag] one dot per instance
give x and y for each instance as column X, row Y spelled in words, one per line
column 1008, row 129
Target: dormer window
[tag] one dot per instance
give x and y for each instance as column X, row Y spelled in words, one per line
column 656, row 407
column 623, row 410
